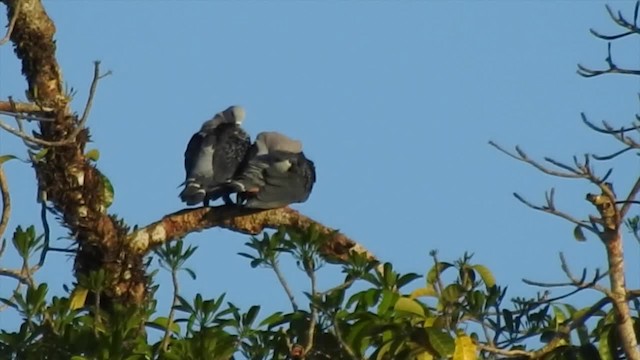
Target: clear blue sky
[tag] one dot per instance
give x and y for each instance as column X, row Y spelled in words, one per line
column 395, row 103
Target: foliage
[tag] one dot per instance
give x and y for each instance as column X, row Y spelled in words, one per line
column 456, row 310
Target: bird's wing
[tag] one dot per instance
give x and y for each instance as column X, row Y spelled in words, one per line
column 284, row 185
column 192, row 151
column 230, row 150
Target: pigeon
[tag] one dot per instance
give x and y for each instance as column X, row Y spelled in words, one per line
column 275, row 173
column 213, row 156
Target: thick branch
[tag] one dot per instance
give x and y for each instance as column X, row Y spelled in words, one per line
column 242, row 220
column 67, row 179
column 615, row 257
column 34, row 45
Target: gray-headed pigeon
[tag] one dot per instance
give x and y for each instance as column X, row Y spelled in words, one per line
column 213, row 156
column 275, row 174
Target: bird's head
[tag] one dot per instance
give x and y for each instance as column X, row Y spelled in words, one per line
column 274, row 141
column 233, row 114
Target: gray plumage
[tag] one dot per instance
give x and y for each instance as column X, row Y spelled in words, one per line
column 213, row 155
column 275, row 174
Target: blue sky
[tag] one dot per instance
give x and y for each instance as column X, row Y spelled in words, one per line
column 394, row 102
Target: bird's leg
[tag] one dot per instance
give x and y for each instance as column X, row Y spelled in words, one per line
column 239, row 198
column 205, row 202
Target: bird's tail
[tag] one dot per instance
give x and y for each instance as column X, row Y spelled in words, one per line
column 193, row 193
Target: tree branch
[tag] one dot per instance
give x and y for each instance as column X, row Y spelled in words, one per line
column 549, row 208
column 630, row 199
column 241, row 220
column 24, row 108
column 522, row 156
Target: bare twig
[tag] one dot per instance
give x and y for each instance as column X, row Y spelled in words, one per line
column 503, row 352
column 29, row 138
column 15, row 274
column 92, row 91
column 26, row 116
column 167, row 332
column 630, row 199
column 12, row 23
column 47, row 231
column 13, row 108
column 550, row 209
column 576, row 281
column 522, row 156
column 618, row 134
column 613, row 68
column 81, row 124
column 345, row 346
column 613, row 155
column 310, row 270
column 276, row 268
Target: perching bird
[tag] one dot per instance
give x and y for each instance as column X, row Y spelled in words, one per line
column 213, row 156
column 275, row 174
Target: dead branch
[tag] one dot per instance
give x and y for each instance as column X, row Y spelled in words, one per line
column 578, row 283
column 522, row 156
column 25, row 116
column 612, row 68
column 632, row 28
column 550, row 208
column 29, row 138
column 630, row 199
column 24, row 108
column 618, row 134
column 241, row 220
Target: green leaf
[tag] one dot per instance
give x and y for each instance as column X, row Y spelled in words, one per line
column 452, row 292
column 41, row 154
column 161, row 323
column 273, row 318
column 406, row 278
column 436, row 270
column 190, row 272
column 5, row 158
column 604, row 349
column 250, row 316
column 428, row 290
column 508, row 320
column 441, row 342
column 93, row 154
column 578, row 234
column 409, row 306
column 465, row 349
column 107, row 191
column 486, row 275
